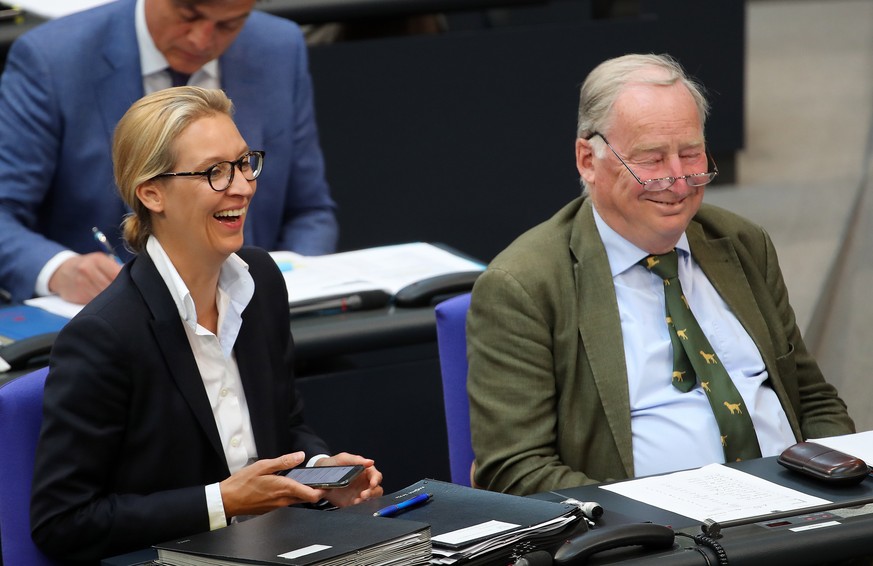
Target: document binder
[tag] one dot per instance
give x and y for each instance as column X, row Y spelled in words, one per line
column 411, row 274
column 470, row 526
column 18, row 322
column 293, row 536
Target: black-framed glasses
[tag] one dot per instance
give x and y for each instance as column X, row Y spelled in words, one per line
column 220, row 175
column 664, row 183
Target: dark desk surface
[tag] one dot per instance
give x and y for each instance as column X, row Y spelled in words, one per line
column 848, row 537
column 318, row 338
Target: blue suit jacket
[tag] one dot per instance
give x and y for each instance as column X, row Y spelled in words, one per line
column 124, row 390
column 68, row 82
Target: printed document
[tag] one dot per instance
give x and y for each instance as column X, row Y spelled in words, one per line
column 714, row 492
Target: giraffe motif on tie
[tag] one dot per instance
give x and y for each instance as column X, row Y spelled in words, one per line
column 694, row 358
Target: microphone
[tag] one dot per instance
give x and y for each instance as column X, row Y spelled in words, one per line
column 359, row 301
column 591, row 509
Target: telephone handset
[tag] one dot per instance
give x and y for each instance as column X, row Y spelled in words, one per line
column 578, row 549
column 27, row 351
column 431, row 290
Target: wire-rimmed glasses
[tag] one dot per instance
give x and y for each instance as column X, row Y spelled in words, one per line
column 664, row 183
column 220, row 175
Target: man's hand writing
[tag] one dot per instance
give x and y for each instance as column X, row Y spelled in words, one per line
column 79, row 279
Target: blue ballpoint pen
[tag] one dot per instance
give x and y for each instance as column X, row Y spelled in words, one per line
column 394, row 509
column 101, row 239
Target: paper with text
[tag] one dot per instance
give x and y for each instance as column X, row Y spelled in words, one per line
column 714, row 492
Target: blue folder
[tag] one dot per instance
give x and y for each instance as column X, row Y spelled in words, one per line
column 23, row 321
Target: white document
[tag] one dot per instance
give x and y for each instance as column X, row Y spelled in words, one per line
column 859, row 445
column 474, row 532
column 56, row 8
column 386, row 268
column 55, row 305
column 714, row 492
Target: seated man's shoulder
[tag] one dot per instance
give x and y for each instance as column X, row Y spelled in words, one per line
column 545, row 244
column 717, row 221
column 539, row 260
column 269, row 27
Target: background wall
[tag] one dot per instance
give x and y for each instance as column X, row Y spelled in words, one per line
column 467, row 136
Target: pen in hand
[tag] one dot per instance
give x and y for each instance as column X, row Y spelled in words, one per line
column 392, row 510
column 101, row 239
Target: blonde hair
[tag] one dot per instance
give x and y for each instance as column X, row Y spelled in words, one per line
column 143, row 145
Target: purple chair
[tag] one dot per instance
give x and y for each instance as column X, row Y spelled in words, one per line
column 20, row 421
column 451, row 319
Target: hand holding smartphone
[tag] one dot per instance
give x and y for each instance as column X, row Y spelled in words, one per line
column 324, row 477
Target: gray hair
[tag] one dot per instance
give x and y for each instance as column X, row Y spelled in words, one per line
column 607, row 81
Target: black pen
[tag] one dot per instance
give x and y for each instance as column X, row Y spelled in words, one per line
column 396, row 508
column 101, row 239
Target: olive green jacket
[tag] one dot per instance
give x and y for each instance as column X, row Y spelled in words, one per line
column 547, row 379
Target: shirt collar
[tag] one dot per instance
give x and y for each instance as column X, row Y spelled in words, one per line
column 622, row 254
column 235, row 290
column 151, row 60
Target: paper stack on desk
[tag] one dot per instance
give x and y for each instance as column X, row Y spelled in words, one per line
column 304, row 537
column 474, row 526
column 385, row 268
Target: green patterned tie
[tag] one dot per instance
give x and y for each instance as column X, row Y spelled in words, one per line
column 694, row 358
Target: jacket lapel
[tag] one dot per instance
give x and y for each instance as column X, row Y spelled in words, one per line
column 237, row 67
column 170, row 337
column 719, row 261
column 116, row 72
column 600, row 329
column 251, row 357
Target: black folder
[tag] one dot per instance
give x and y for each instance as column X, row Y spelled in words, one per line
column 304, row 537
column 454, row 507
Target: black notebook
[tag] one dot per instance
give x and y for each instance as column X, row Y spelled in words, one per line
column 467, row 523
column 304, row 537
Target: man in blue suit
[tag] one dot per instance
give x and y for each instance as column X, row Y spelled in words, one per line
column 68, row 82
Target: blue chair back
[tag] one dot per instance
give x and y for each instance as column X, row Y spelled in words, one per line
column 451, row 319
column 20, row 421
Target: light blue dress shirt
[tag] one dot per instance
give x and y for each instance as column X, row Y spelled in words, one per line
column 674, row 430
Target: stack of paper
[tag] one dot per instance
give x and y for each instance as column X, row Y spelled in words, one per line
column 386, row 268
column 472, row 526
column 304, row 537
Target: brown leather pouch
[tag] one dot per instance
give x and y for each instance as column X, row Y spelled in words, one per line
column 824, row 463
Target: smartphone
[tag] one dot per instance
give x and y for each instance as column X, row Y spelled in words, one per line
column 325, row 477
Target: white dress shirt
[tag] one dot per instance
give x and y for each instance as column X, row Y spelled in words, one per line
column 673, row 430
column 154, row 65
column 216, row 361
